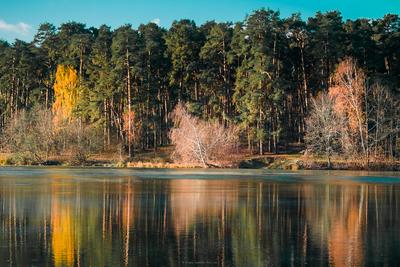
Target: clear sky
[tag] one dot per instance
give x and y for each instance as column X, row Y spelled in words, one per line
column 20, row 18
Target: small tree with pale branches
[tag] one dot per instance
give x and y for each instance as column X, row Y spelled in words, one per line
column 324, row 127
column 199, row 141
column 383, row 117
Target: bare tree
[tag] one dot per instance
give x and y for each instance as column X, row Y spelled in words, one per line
column 198, row 141
column 383, row 120
column 323, row 127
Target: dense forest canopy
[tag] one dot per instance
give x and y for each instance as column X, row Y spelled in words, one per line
column 260, row 74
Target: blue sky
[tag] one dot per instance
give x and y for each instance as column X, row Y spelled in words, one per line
column 20, row 19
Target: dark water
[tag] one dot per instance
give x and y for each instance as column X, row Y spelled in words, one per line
column 105, row 217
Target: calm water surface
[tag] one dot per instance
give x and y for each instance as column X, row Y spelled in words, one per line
column 106, row 217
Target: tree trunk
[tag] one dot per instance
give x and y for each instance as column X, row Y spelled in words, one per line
column 129, row 135
column 329, row 162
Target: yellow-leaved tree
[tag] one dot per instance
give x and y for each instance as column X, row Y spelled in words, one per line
column 66, row 92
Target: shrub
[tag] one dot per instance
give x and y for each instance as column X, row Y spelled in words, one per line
column 199, row 141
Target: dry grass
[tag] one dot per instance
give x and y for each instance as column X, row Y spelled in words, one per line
column 162, row 159
column 314, row 163
column 3, row 158
column 161, row 165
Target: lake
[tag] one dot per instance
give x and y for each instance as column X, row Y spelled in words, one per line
column 126, row 217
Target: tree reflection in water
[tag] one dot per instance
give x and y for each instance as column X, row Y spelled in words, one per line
column 62, row 221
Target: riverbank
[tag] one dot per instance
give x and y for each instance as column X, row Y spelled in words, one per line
column 299, row 162
column 294, row 160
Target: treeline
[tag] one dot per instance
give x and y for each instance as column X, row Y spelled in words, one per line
column 260, row 74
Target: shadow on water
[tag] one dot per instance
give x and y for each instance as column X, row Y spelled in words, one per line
column 105, row 217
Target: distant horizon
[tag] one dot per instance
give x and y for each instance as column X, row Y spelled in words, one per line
column 15, row 24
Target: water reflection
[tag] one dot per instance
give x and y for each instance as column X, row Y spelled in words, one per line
column 62, row 221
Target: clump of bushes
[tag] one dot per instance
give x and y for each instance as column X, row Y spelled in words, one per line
column 31, row 137
column 78, row 141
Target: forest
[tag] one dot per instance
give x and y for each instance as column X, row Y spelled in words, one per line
column 326, row 82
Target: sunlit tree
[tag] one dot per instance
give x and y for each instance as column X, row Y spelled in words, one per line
column 66, row 92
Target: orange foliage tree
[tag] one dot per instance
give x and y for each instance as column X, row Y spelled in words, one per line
column 349, row 92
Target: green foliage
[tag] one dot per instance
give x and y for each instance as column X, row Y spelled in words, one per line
column 260, row 73
column 183, row 42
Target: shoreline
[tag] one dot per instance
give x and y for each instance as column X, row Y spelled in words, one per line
column 291, row 159
column 292, row 162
